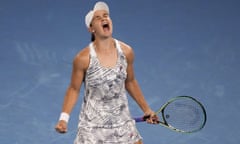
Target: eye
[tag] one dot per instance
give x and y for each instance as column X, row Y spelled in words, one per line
column 97, row 18
column 106, row 15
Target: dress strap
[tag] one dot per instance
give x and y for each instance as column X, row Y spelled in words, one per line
column 118, row 46
column 92, row 50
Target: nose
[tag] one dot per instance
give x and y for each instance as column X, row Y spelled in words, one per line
column 103, row 18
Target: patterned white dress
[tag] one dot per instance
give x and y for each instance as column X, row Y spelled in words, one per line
column 105, row 117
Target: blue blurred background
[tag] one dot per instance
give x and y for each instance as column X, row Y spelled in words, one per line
column 182, row 47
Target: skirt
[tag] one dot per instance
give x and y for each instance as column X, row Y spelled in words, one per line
column 123, row 134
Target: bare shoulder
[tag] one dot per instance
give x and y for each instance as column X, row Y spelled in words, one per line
column 81, row 60
column 127, row 50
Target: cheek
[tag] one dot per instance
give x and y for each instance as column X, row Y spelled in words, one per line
column 111, row 25
column 95, row 27
column 110, row 21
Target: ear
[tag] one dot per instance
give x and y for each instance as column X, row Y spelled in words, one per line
column 91, row 30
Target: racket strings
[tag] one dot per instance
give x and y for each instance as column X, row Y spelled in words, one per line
column 184, row 114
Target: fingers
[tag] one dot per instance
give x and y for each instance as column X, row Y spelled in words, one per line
column 61, row 127
column 154, row 119
column 151, row 117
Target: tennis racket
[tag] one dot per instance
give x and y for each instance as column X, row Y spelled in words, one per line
column 182, row 114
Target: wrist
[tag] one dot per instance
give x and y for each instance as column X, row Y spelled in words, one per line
column 64, row 116
column 148, row 111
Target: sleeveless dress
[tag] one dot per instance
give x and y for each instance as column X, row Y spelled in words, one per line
column 105, row 117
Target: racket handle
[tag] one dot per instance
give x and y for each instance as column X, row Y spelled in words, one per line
column 142, row 119
column 139, row 119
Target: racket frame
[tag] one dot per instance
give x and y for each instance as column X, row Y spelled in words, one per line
column 164, row 122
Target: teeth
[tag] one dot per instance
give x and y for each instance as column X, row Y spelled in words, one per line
column 105, row 25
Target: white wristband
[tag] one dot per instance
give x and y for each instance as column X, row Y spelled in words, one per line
column 64, row 116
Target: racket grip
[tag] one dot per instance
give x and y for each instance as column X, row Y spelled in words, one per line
column 139, row 119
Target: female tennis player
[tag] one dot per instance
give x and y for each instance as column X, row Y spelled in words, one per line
column 105, row 67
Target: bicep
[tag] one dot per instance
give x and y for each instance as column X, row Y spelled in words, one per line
column 76, row 79
column 78, row 72
column 130, row 73
column 130, row 67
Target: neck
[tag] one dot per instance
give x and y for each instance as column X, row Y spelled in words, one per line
column 104, row 44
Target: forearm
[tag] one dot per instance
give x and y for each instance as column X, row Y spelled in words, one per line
column 70, row 100
column 134, row 90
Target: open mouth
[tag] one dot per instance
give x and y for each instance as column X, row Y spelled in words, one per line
column 106, row 26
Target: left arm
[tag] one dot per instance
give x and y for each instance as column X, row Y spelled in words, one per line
column 132, row 85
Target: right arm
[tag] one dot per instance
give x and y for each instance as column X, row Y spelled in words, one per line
column 80, row 65
column 74, row 87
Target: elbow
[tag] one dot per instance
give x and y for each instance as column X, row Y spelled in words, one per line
column 129, row 84
column 73, row 90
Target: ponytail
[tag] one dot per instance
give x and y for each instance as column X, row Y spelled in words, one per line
column 92, row 37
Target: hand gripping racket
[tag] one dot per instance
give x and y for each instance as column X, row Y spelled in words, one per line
column 182, row 114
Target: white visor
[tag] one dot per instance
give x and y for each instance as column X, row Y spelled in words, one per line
column 98, row 6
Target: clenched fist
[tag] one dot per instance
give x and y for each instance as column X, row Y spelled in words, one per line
column 61, row 126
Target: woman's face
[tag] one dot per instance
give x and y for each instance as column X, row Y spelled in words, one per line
column 101, row 24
